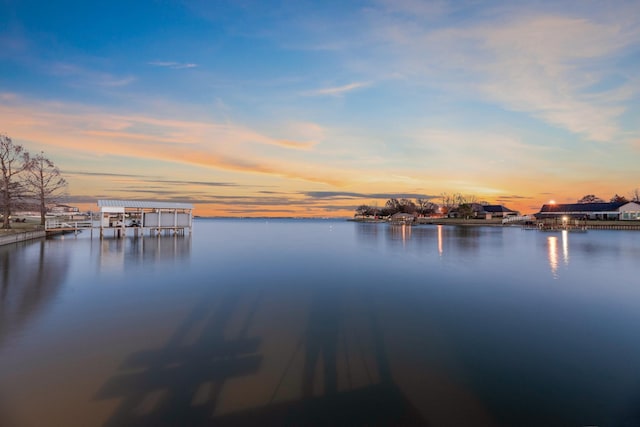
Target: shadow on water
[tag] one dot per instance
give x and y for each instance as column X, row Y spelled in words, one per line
column 342, row 380
column 30, row 276
column 164, row 383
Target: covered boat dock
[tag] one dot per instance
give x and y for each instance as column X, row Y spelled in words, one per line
column 141, row 216
column 131, row 216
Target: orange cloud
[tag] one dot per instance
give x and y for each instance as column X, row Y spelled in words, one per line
column 212, row 145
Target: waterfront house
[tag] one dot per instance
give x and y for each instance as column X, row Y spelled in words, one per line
column 630, row 211
column 498, row 211
column 402, row 218
column 60, row 209
column 625, row 211
column 485, row 211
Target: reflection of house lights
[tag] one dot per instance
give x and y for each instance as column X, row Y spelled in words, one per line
column 440, row 239
column 553, row 254
column 565, row 247
column 406, row 233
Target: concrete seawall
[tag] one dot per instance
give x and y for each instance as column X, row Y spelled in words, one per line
column 21, row 237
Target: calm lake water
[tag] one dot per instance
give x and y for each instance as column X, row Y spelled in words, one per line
column 310, row 322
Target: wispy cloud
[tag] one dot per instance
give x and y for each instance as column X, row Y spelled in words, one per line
column 81, row 76
column 223, row 146
column 151, row 179
column 173, row 65
column 556, row 64
column 337, row 90
column 552, row 66
column 351, row 195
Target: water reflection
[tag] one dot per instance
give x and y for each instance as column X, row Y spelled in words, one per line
column 227, row 363
column 367, row 232
column 289, row 324
column 553, row 251
column 122, row 254
column 443, row 239
column 399, row 233
column 30, row 276
column 552, row 243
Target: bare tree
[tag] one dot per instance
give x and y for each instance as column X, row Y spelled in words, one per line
column 426, row 206
column 363, row 210
column 45, row 183
column 465, row 199
column 618, row 199
column 14, row 161
column 635, row 195
column 465, row 210
column 590, row 198
column 448, row 201
column 393, row 205
column 407, row 206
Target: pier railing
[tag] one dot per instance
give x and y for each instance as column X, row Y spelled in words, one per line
column 519, row 218
column 56, row 224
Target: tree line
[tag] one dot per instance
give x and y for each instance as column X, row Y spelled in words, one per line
column 591, row 198
column 26, row 181
column 424, row 206
column 463, row 203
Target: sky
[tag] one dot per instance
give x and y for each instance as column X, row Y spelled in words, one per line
column 311, row 108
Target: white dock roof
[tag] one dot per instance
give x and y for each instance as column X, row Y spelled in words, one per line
column 139, row 204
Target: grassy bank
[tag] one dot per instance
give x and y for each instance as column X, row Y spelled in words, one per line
column 21, row 227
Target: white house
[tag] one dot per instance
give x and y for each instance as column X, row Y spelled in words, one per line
column 630, row 211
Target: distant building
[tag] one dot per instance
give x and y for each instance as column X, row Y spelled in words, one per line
column 626, row 211
column 498, row 211
column 60, row 209
column 402, row 218
column 630, row 211
column 485, row 211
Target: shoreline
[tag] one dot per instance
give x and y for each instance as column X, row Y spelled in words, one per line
column 21, row 236
column 439, row 221
column 497, row 222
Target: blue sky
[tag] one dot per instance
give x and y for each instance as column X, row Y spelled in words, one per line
column 312, row 108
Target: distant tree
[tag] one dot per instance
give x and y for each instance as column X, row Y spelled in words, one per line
column 462, row 199
column 362, row 210
column 465, row 210
column 14, row 161
column 448, row 201
column 590, row 198
column 386, row 211
column 619, row 199
column 635, row 195
column 392, row 206
column 44, row 183
column 407, row 206
column 425, row 206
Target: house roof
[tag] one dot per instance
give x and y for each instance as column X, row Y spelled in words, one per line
column 496, row 208
column 582, row 207
column 139, row 204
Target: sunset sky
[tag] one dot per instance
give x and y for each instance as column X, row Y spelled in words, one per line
column 311, row 108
